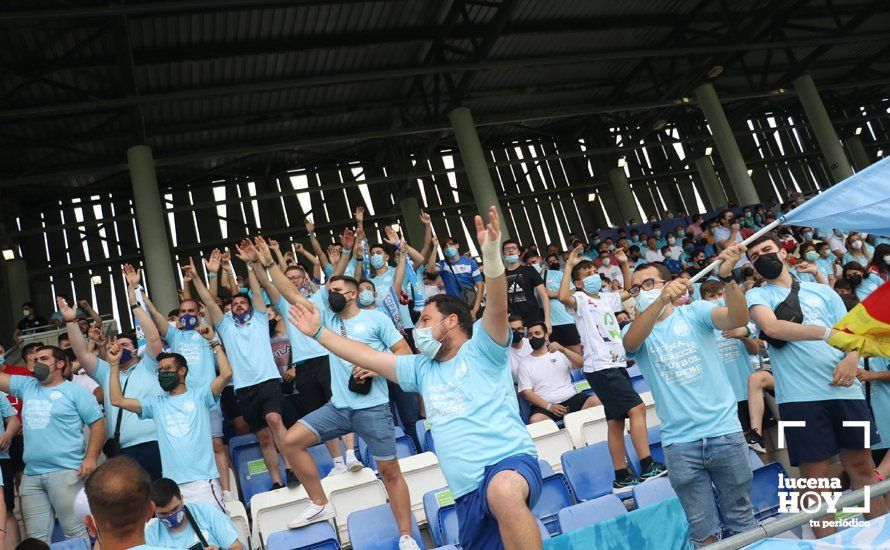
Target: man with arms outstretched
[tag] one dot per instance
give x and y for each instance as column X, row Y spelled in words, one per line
column 484, row 450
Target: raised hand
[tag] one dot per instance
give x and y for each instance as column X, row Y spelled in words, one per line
column 225, row 260
column 273, row 245
column 68, row 313
column 298, row 247
column 246, row 252
column 307, row 319
column 425, row 218
column 188, row 271
column 575, row 257
column 806, row 267
column 83, row 304
column 359, row 214
column 333, row 254
column 205, row 330
column 212, row 264
column 392, row 237
column 132, row 275
column 360, row 235
column 96, row 334
column 113, row 352
column 729, row 257
column 310, row 226
column 673, row 290
column 488, row 232
column 621, row 256
column 262, row 251
column 347, row 239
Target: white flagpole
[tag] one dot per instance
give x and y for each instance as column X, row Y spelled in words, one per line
column 713, row 265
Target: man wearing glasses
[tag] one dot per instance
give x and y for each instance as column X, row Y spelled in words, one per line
column 676, row 351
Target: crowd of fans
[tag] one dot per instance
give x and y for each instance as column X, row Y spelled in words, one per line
column 318, row 345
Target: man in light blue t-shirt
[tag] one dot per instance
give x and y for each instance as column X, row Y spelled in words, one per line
column 815, row 383
column 182, row 419
column 676, row 351
column 57, row 458
column 484, row 450
column 138, row 375
column 174, row 529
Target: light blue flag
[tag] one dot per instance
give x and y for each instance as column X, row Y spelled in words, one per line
column 859, row 203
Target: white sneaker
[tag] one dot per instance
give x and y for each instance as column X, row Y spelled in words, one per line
column 407, row 543
column 353, row 464
column 313, row 513
column 229, row 497
column 339, row 468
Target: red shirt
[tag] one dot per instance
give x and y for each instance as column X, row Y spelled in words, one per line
column 13, row 400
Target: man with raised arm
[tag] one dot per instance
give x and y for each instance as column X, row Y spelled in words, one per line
column 127, row 434
column 245, row 333
column 182, row 418
column 484, row 450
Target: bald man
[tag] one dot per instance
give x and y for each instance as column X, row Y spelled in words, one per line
column 119, row 495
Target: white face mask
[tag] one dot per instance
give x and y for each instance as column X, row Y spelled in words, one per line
column 856, row 245
column 887, row 259
column 607, row 261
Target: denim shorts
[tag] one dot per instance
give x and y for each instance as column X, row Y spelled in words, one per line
column 723, row 462
column 373, row 424
column 478, row 527
column 216, row 421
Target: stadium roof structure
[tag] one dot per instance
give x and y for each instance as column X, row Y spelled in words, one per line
column 237, row 88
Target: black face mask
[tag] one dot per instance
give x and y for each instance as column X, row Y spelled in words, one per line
column 517, row 336
column 748, row 271
column 337, row 301
column 623, row 324
column 769, row 265
column 537, row 343
column 554, row 266
column 854, row 280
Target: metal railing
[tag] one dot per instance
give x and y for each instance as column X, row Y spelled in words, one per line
column 790, row 521
column 49, row 334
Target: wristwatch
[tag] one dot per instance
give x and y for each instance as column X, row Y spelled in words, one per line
column 726, row 280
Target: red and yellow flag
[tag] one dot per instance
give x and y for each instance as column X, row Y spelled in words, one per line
column 866, row 328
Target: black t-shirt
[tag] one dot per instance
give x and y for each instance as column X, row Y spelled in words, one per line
column 27, row 324
column 521, row 296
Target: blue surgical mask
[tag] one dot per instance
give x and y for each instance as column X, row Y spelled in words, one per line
column 538, row 267
column 242, row 319
column 188, row 321
column 2, row 359
column 451, row 252
column 174, row 520
column 366, row 298
column 646, row 298
column 377, row 261
column 126, row 356
column 512, row 259
column 426, row 343
column 635, row 238
column 681, row 233
column 719, row 302
column 592, row 283
column 808, row 236
column 657, row 233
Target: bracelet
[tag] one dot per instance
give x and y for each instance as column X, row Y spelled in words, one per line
column 347, row 251
column 726, row 280
column 747, row 331
column 311, row 234
column 134, row 306
column 211, row 275
column 317, row 334
column 269, row 266
column 827, row 334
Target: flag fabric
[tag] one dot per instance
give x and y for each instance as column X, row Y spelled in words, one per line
column 866, row 328
column 859, row 203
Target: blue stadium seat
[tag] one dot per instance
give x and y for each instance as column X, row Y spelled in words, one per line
column 404, row 448
column 589, row 471
column 322, row 458
column 765, row 490
column 545, row 535
column 639, row 384
column 577, row 375
column 525, row 408
column 555, row 495
column 590, row 512
column 655, row 450
column 431, row 510
column 251, row 457
column 633, row 371
column 375, row 528
column 442, row 518
column 315, row 536
column 73, row 544
column 654, row 490
column 239, row 443
column 546, row 468
column 422, row 434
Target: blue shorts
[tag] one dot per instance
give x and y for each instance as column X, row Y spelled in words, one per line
column 825, row 435
column 478, row 526
column 373, row 424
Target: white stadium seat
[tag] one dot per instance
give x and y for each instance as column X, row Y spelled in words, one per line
column 422, row 474
column 587, row 426
column 550, row 442
column 238, row 514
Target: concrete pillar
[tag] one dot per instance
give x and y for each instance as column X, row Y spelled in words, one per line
column 412, row 227
column 726, row 144
column 476, row 165
column 152, row 228
column 837, row 162
column 627, row 205
column 16, row 290
column 858, row 153
column 713, row 190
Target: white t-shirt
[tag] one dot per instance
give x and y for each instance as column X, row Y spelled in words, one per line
column 516, row 356
column 83, row 379
column 676, row 250
column 653, row 256
column 722, row 234
column 548, row 376
column 613, row 272
column 599, row 330
column 836, row 244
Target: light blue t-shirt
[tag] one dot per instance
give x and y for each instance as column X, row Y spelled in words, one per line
column 848, row 257
column 183, row 426
column 558, row 314
column 679, row 360
column 53, row 420
column 471, row 407
column 349, row 272
column 826, row 265
column 217, row 528
column 249, row 349
column 143, row 383
column 302, row 347
column 869, row 284
column 803, row 369
column 383, row 283
column 802, row 277
column 198, row 354
column 6, row 411
column 737, row 363
column 370, row 327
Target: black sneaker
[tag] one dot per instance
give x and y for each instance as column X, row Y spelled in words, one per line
column 755, row 441
column 626, row 485
column 656, row 469
column 292, row 481
column 276, row 486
